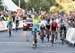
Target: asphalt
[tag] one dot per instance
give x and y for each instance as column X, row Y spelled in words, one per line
column 21, row 42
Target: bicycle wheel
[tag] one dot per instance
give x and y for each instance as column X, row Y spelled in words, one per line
column 35, row 41
column 52, row 40
column 42, row 36
column 63, row 36
column 52, row 37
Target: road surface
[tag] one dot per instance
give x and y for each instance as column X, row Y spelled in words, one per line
column 19, row 44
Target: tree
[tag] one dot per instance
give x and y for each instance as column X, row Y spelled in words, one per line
column 1, row 6
column 33, row 4
column 41, row 3
column 36, row 4
column 52, row 2
column 23, row 4
column 45, row 4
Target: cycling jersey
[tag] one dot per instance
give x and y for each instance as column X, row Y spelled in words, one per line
column 17, row 18
column 39, row 17
column 62, row 24
column 10, row 23
column 43, row 23
column 35, row 22
column 53, row 26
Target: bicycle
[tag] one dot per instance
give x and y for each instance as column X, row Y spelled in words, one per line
column 48, row 32
column 53, row 34
column 42, row 33
column 35, row 39
column 62, row 31
column 62, row 35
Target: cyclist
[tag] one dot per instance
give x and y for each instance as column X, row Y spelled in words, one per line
column 53, row 30
column 43, row 23
column 9, row 25
column 48, row 18
column 35, row 29
column 62, row 30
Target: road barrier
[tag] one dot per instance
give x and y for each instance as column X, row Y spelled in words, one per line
column 70, row 36
column 3, row 25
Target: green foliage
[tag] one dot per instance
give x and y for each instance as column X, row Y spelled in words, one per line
column 1, row 6
column 52, row 2
column 45, row 4
column 36, row 4
column 33, row 4
column 16, row 1
column 22, row 3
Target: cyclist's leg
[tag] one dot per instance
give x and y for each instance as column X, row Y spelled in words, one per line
column 43, row 31
column 55, row 35
column 34, row 37
column 9, row 31
column 48, row 34
column 65, row 32
column 60, row 32
column 37, row 32
column 34, row 31
column 42, row 35
column 52, row 37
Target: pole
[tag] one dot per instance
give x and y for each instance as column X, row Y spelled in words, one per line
column 19, row 2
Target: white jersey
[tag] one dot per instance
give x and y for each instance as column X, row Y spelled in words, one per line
column 43, row 23
column 17, row 18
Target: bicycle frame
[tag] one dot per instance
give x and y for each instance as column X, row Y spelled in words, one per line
column 53, row 33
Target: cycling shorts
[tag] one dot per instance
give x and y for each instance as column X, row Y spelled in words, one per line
column 63, row 28
column 42, row 27
column 35, row 28
column 48, row 26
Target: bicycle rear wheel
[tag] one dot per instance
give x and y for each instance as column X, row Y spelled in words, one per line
column 52, row 40
column 42, row 35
